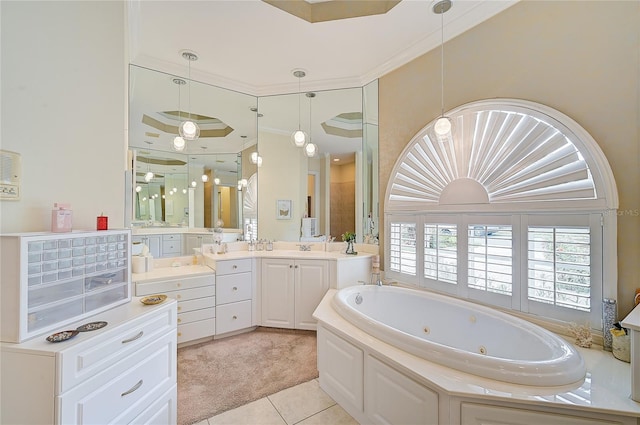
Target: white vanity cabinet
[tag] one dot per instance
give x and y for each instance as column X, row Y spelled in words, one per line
column 196, row 302
column 153, row 242
column 291, row 289
column 171, row 245
column 234, row 293
column 195, row 240
column 51, row 279
column 124, row 372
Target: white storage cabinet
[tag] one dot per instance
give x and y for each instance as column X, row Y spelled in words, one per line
column 196, row 303
column 291, row 291
column 234, row 292
column 50, row 279
column 122, row 373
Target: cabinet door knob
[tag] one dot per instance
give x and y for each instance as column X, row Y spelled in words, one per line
column 235, row 267
column 235, row 317
column 290, row 266
column 296, row 266
column 179, row 308
column 179, row 320
column 133, row 338
column 132, row 389
column 235, row 288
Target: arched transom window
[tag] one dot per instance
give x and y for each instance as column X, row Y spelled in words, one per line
column 516, row 208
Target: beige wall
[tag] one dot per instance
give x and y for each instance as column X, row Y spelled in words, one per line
column 581, row 58
column 64, row 103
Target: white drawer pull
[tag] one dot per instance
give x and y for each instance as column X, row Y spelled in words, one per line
column 132, row 389
column 133, row 338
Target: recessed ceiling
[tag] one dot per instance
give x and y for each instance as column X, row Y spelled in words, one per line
column 252, row 47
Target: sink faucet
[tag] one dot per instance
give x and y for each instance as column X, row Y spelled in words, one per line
column 305, row 247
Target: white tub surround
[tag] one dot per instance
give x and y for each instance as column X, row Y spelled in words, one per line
column 377, row 382
column 632, row 322
column 461, row 335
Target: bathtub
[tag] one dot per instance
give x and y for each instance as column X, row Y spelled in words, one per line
column 461, row 335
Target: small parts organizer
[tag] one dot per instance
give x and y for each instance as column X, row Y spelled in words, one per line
column 59, row 278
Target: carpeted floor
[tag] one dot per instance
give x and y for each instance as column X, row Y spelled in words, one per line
column 223, row 374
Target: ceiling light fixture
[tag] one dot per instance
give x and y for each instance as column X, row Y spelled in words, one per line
column 299, row 137
column 256, row 159
column 149, row 175
column 188, row 129
column 179, row 144
column 444, row 124
column 311, row 149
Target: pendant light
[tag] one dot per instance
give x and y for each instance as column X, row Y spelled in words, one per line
column 311, row 149
column 444, row 124
column 179, row 143
column 299, row 137
column 188, row 129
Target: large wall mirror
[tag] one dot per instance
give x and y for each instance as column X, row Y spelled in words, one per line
column 201, row 186
column 243, row 168
column 334, row 191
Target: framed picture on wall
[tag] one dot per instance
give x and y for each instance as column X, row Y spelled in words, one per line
column 283, row 209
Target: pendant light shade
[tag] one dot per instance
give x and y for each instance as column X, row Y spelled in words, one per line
column 188, row 129
column 178, row 144
column 444, row 125
column 299, row 138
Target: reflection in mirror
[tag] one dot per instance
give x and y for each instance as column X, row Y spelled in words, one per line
column 326, row 187
column 227, row 120
column 370, row 163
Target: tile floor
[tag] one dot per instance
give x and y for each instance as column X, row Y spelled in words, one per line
column 304, row 404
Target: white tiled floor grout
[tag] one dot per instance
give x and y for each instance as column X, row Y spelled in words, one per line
column 305, row 403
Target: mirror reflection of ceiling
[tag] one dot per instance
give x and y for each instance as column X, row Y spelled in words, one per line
column 252, row 47
column 157, row 106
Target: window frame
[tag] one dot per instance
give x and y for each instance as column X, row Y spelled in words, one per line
column 518, row 301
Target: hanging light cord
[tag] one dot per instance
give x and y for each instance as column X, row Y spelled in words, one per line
column 189, row 59
column 299, row 103
column 442, row 59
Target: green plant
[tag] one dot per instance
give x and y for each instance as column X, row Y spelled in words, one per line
column 348, row 236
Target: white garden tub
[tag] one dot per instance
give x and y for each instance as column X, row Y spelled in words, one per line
column 461, row 335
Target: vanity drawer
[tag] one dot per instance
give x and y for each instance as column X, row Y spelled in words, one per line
column 233, row 287
column 83, row 361
column 172, row 238
column 196, row 304
column 122, row 391
column 196, row 330
column 233, row 266
column 191, row 294
column 194, row 316
column 234, row 316
column 163, row 286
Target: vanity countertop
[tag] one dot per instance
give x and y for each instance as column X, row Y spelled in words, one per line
column 283, row 253
column 165, row 230
column 632, row 321
column 162, row 273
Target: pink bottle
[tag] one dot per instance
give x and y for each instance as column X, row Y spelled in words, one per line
column 61, row 218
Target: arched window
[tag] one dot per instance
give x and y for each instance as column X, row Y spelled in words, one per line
column 516, row 208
